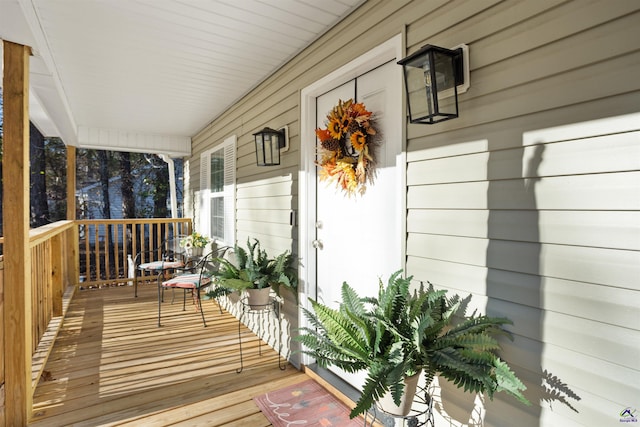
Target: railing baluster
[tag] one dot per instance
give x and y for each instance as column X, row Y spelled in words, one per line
column 127, row 237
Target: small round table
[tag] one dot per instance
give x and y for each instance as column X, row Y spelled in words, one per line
column 156, row 267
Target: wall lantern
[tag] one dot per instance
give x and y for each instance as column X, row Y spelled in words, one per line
column 432, row 76
column 269, row 143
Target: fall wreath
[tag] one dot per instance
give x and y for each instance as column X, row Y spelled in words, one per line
column 346, row 151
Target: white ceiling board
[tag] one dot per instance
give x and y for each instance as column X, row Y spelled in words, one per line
column 158, row 67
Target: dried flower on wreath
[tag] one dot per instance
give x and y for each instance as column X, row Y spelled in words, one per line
column 346, row 151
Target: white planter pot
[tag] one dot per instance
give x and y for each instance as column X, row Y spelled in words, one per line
column 387, row 404
column 258, row 299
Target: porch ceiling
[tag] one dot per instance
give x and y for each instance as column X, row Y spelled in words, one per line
column 147, row 75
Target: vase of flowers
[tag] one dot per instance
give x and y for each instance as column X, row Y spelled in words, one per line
column 194, row 243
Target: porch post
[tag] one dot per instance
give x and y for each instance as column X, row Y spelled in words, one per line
column 172, row 186
column 71, row 182
column 17, row 255
column 73, row 259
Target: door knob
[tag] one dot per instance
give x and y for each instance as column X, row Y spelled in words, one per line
column 317, row 243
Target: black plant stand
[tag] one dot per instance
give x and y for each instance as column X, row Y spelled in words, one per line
column 273, row 306
column 422, row 417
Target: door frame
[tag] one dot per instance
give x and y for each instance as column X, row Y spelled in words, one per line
column 392, row 49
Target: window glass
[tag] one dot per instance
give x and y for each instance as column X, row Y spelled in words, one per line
column 217, row 216
column 217, row 171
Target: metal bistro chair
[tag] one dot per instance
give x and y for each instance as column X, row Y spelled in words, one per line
column 194, row 279
column 167, row 257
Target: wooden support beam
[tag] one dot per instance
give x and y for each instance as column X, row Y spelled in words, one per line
column 17, row 256
column 73, row 260
column 71, row 182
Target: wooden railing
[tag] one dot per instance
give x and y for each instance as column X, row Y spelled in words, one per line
column 53, row 248
column 105, row 245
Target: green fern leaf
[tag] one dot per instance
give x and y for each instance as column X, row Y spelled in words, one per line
column 340, row 330
column 508, row 382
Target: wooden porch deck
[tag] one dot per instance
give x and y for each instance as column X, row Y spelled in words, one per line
column 112, row 365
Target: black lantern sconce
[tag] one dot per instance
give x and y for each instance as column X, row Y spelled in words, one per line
column 432, row 76
column 269, row 143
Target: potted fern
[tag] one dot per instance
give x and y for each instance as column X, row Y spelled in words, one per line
column 283, row 274
column 401, row 333
column 256, row 273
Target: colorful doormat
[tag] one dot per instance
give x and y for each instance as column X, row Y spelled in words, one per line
column 306, row 403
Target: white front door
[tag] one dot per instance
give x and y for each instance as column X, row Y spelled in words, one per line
column 359, row 238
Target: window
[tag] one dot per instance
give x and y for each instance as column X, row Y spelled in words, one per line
column 217, row 189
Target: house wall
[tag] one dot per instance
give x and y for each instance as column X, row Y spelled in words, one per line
column 529, row 201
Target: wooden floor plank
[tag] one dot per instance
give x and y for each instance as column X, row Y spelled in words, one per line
column 235, row 413
column 112, row 365
column 215, row 405
column 256, row 420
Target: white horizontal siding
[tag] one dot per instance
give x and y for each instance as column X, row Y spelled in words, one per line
column 616, row 345
column 616, row 306
column 276, row 202
column 530, row 202
column 263, row 228
column 266, row 188
column 611, row 191
column 266, row 215
column 266, row 208
column 610, row 267
column 600, row 154
column 604, row 229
